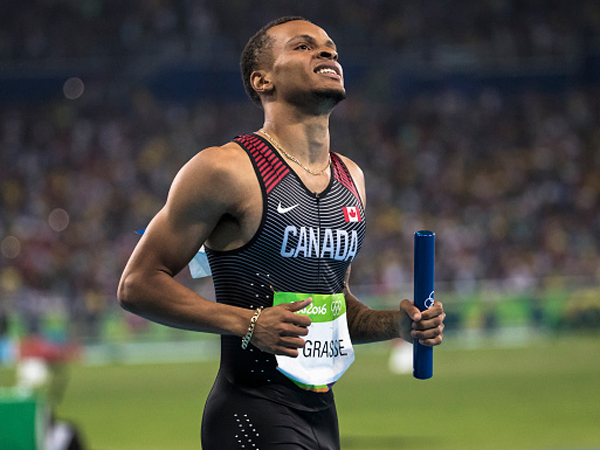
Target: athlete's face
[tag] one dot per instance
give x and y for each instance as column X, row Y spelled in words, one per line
column 305, row 64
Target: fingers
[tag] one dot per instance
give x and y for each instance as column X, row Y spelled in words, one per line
column 298, row 319
column 429, row 336
column 427, row 326
column 436, row 310
column 280, row 328
column 410, row 309
column 294, row 330
column 289, row 347
column 298, row 306
column 283, row 342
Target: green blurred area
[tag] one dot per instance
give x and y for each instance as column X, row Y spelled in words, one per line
column 516, row 371
column 552, row 309
column 554, row 306
column 540, row 396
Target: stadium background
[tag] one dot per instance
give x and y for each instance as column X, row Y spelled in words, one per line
column 478, row 120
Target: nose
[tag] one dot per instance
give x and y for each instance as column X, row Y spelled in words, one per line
column 328, row 53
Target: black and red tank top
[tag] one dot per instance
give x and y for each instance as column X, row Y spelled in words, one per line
column 305, row 243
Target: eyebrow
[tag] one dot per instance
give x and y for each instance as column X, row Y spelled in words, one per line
column 307, row 37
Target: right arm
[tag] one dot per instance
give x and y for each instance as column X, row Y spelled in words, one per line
column 207, row 191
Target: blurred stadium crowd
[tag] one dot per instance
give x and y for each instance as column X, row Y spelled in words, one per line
column 487, row 29
column 509, row 181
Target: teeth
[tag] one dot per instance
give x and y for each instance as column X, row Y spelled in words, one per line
column 326, row 70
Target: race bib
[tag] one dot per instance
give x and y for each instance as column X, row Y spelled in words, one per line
column 328, row 351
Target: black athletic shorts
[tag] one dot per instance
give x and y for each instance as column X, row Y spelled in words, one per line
column 236, row 420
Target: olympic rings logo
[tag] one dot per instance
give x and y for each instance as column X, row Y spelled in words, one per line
column 336, row 307
column 428, row 303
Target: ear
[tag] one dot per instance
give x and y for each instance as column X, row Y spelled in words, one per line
column 260, row 81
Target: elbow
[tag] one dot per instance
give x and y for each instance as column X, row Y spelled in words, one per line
column 126, row 292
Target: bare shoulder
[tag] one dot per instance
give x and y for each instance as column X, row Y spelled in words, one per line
column 228, row 160
column 357, row 175
column 215, row 176
column 213, row 168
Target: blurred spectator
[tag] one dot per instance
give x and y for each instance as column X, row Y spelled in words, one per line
column 509, row 183
column 448, row 31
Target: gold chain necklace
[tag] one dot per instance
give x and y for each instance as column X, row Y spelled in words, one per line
column 292, row 158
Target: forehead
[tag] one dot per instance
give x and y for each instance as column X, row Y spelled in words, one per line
column 286, row 32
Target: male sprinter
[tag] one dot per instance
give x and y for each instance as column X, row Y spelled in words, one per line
column 282, row 218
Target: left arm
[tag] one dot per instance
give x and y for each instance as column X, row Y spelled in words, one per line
column 408, row 323
column 368, row 325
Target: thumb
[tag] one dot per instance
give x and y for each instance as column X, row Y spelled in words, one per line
column 299, row 306
column 410, row 310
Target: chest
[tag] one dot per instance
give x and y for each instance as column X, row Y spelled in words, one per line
column 302, row 224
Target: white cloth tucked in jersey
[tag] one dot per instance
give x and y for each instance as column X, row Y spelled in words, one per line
column 328, row 350
column 199, row 267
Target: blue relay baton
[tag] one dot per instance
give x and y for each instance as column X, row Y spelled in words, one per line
column 423, row 298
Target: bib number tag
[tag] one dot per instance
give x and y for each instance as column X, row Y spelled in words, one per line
column 328, row 350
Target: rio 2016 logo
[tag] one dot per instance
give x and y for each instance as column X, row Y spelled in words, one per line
column 428, row 303
column 314, row 310
column 321, row 310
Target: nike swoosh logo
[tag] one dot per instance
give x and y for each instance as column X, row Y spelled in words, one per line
column 282, row 210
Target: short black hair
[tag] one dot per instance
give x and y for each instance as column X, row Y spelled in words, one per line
column 255, row 53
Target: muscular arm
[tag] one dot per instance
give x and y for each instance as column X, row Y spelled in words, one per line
column 213, row 200
column 198, row 199
column 368, row 325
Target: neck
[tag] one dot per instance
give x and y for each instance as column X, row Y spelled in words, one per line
column 305, row 137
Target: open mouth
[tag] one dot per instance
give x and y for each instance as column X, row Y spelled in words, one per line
column 329, row 71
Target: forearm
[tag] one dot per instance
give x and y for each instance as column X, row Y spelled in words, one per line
column 160, row 298
column 368, row 325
